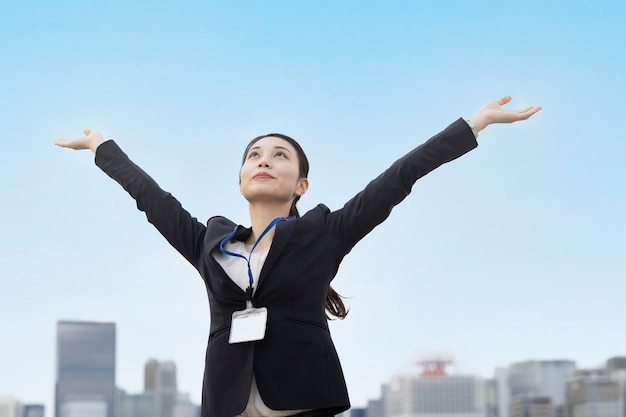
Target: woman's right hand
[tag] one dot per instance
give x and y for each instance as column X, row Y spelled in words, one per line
column 91, row 140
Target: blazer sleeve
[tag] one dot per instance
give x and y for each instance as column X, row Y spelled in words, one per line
column 181, row 230
column 373, row 205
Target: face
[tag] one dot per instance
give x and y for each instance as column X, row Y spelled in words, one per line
column 270, row 172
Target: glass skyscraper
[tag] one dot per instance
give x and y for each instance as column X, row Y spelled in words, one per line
column 543, row 379
column 85, row 371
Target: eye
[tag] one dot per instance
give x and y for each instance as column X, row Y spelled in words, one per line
column 253, row 154
column 281, row 154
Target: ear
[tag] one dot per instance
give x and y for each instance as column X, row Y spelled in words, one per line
column 301, row 186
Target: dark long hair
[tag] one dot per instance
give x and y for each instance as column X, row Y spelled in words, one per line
column 334, row 303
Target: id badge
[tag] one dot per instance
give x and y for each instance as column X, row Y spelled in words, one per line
column 248, row 325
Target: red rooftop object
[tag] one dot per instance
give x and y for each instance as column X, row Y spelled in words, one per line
column 434, row 366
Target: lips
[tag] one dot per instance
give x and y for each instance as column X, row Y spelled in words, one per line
column 263, row 176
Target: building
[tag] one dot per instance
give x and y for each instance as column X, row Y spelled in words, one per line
column 160, row 378
column 616, row 369
column 435, row 393
column 33, row 410
column 593, row 394
column 376, row 407
column 85, row 369
column 136, row 405
column 541, row 379
column 185, row 407
column 502, row 392
column 10, row 407
column 531, row 406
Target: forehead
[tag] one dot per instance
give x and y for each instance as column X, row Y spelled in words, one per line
column 270, row 142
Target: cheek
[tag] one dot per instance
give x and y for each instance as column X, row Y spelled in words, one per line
column 244, row 173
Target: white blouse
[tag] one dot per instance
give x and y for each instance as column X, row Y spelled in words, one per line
column 237, row 270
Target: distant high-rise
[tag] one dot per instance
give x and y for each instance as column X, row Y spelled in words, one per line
column 593, row 394
column 184, row 406
column 85, row 369
column 135, row 405
column 503, row 396
column 617, row 363
column 357, row 412
column 10, row 407
column 616, row 368
column 541, row 379
column 376, row 408
column 33, row 410
column 433, row 392
column 150, row 375
column 160, row 378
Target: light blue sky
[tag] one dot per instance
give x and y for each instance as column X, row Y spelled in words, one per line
column 513, row 252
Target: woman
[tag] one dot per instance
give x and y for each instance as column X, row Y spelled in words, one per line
column 270, row 352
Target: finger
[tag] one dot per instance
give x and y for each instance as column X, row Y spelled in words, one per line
column 71, row 143
column 66, row 143
column 527, row 112
column 532, row 110
column 87, row 131
column 503, row 100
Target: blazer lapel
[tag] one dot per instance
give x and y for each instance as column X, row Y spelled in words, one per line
column 281, row 237
column 241, row 234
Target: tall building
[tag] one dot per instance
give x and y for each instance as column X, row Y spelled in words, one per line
column 160, row 378
column 616, row 369
column 435, row 393
column 85, row 369
column 502, row 394
column 617, row 363
column 376, row 407
column 593, row 394
column 10, row 407
column 541, row 379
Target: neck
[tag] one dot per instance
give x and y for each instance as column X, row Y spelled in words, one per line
column 261, row 215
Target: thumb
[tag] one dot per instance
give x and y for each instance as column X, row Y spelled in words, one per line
column 504, row 100
column 87, row 131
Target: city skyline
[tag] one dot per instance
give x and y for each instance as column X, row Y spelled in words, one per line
column 429, row 364
column 513, row 251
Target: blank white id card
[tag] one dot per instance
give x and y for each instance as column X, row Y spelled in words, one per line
column 248, row 325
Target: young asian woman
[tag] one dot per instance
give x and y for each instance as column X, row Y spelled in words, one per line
column 270, row 352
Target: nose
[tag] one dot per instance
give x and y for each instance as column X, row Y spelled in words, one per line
column 263, row 163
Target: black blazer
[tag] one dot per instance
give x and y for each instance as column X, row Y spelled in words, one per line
column 296, row 365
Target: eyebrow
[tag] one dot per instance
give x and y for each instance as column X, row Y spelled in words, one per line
column 275, row 147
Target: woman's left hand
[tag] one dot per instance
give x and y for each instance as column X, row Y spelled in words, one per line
column 492, row 112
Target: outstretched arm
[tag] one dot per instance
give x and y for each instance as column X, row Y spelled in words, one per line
column 372, row 205
column 181, row 230
column 493, row 112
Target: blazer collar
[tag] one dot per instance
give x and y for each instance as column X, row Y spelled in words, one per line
column 281, row 236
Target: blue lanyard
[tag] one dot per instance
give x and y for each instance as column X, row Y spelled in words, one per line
column 247, row 259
